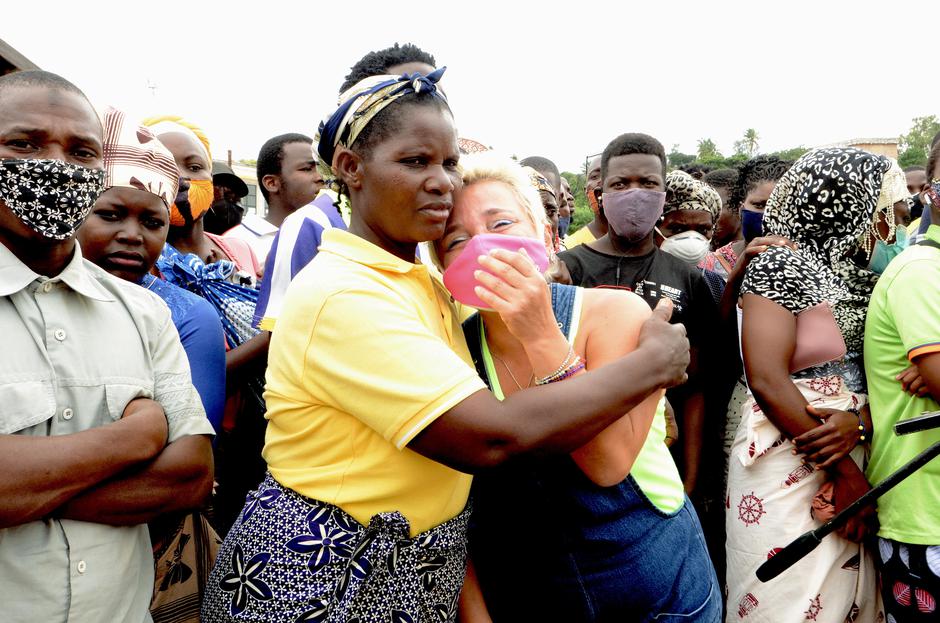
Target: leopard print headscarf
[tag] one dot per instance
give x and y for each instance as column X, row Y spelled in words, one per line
column 826, row 203
column 684, row 192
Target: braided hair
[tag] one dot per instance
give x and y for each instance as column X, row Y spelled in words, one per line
column 752, row 174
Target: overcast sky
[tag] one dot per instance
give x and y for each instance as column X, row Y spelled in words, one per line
column 546, row 78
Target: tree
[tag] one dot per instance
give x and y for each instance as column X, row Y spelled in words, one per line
column 248, row 162
column 747, row 146
column 790, row 154
column 708, row 152
column 677, row 159
column 914, row 147
column 582, row 214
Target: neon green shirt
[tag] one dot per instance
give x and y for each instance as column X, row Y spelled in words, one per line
column 903, row 324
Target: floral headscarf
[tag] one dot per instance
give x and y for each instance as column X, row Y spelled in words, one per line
column 827, row 204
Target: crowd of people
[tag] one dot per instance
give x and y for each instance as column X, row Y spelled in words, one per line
column 409, row 392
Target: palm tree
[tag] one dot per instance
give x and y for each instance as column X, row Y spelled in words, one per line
column 748, row 145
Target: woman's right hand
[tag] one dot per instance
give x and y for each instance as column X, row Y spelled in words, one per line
column 667, row 345
column 832, row 440
column 758, row 245
column 512, row 285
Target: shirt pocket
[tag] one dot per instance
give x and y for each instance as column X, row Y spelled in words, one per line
column 24, row 404
column 118, row 395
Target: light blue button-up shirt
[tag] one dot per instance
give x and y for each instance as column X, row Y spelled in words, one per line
column 76, row 349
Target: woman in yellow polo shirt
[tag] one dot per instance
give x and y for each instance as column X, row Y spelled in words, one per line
column 376, row 413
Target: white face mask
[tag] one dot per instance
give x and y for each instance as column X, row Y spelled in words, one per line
column 689, row 246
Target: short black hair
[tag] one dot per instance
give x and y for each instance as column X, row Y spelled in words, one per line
column 47, row 79
column 271, row 156
column 935, row 140
column 544, row 166
column 696, row 169
column 721, row 178
column 632, row 143
column 753, row 173
column 916, row 167
column 38, row 78
column 932, row 161
column 377, row 62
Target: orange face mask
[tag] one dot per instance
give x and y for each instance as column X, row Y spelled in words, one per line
column 193, row 204
column 592, row 201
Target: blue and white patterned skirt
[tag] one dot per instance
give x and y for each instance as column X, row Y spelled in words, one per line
column 292, row 558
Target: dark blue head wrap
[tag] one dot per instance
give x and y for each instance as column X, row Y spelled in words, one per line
column 361, row 103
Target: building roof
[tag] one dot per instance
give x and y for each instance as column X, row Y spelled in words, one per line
column 11, row 60
column 865, row 141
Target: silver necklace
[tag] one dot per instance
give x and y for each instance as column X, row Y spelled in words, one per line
column 513, row 376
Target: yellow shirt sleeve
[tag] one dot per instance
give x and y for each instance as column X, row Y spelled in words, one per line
column 377, row 357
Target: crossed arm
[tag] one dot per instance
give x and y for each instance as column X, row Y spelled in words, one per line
column 122, row 473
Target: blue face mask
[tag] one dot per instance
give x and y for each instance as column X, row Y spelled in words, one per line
column 884, row 252
column 752, row 224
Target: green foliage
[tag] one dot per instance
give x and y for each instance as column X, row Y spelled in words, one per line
column 790, row 154
column 914, row 147
column 731, row 162
column 247, row 162
column 677, row 159
column 708, row 151
column 582, row 211
column 581, row 217
column 747, row 146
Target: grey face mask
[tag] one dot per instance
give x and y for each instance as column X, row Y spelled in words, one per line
column 633, row 213
column 51, row 196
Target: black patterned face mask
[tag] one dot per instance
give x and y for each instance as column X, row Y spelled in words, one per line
column 51, row 196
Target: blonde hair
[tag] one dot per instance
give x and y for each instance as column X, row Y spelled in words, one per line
column 489, row 166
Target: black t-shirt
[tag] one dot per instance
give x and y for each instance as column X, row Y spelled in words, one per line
column 652, row 276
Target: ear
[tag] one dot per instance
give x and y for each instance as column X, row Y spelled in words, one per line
column 271, row 183
column 348, row 167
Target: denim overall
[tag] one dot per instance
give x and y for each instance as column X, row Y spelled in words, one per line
column 550, row 545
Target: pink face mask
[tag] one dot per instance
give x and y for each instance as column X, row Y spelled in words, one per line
column 459, row 279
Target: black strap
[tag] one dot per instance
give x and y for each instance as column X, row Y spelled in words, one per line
column 471, row 331
column 563, row 299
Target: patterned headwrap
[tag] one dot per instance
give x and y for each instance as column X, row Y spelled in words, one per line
column 172, row 123
column 826, row 203
column 134, row 158
column 684, row 192
column 539, row 181
column 360, row 104
column 470, row 146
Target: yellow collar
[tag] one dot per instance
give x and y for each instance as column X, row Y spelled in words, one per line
column 361, row 251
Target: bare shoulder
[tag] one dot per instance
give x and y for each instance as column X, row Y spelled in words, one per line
column 606, row 302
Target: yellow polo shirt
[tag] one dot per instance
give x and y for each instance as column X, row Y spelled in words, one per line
column 582, row 236
column 368, row 352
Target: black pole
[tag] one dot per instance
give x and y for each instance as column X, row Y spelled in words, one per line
column 804, row 544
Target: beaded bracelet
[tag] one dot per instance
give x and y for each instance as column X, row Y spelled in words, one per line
column 574, row 369
column 861, row 425
column 575, row 366
column 564, row 366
